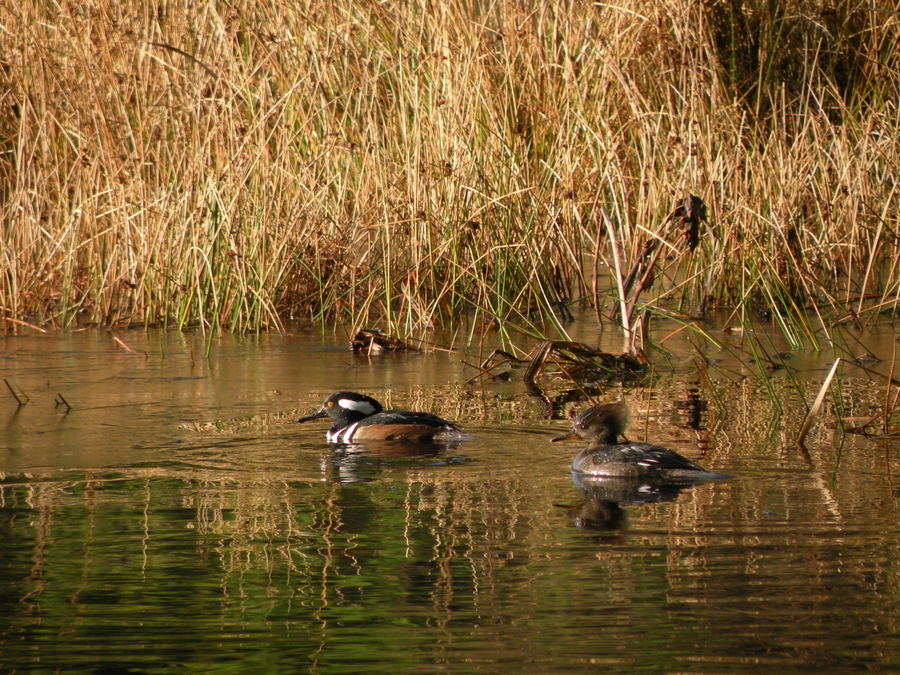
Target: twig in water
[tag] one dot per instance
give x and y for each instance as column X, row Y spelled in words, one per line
column 481, row 371
column 63, row 401
column 807, row 423
column 123, row 345
column 11, row 391
column 24, row 323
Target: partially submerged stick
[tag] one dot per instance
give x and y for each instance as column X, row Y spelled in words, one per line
column 807, row 423
column 12, row 391
column 123, row 345
column 24, row 323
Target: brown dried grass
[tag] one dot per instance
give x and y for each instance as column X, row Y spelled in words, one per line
column 233, row 165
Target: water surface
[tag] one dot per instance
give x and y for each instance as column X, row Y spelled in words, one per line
column 174, row 519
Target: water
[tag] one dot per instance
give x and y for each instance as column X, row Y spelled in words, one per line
column 176, row 520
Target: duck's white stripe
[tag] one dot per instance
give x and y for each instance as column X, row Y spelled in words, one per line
column 342, row 435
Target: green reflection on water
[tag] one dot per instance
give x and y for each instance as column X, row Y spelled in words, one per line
column 229, row 540
column 424, row 573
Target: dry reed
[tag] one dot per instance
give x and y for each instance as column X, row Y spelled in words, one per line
column 234, row 165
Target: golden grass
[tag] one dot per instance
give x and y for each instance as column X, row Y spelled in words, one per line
column 233, row 165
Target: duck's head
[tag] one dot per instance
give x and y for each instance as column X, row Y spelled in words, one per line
column 345, row 407
column 604, row 423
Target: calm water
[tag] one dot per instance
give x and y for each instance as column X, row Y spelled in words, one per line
column 176, row 520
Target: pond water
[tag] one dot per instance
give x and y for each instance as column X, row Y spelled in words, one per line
column 172, row 518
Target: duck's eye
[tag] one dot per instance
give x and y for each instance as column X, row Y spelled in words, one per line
column 330, row 404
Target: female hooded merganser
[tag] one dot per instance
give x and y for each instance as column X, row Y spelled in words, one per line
column 601, row 426
column 357, row 417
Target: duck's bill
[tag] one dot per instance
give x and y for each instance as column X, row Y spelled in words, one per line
column 315, row 416
column 565, row 437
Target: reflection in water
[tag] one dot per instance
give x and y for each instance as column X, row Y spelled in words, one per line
column 693, row 408
column 604, row 496
column 176, row 520
column 360, row 462
column 425, row 565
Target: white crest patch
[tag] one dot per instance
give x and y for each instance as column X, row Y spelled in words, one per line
column 364, row 407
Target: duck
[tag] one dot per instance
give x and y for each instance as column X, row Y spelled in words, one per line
column 604, row 456
column 356, row 417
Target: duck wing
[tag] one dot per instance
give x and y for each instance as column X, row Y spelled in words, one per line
column 655, row 457
column 404, row 417
column 648, row 457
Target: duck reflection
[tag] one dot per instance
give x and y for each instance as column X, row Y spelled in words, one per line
column 363, row 462
column 605, row 495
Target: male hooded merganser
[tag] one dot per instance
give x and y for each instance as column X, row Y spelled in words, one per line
column 601, row 426
column 357, row 417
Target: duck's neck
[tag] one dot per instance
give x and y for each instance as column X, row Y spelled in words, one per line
column 607, row 437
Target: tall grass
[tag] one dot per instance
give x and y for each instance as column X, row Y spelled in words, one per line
column 231, row 165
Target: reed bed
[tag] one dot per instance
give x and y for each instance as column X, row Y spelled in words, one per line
column 234, row 165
